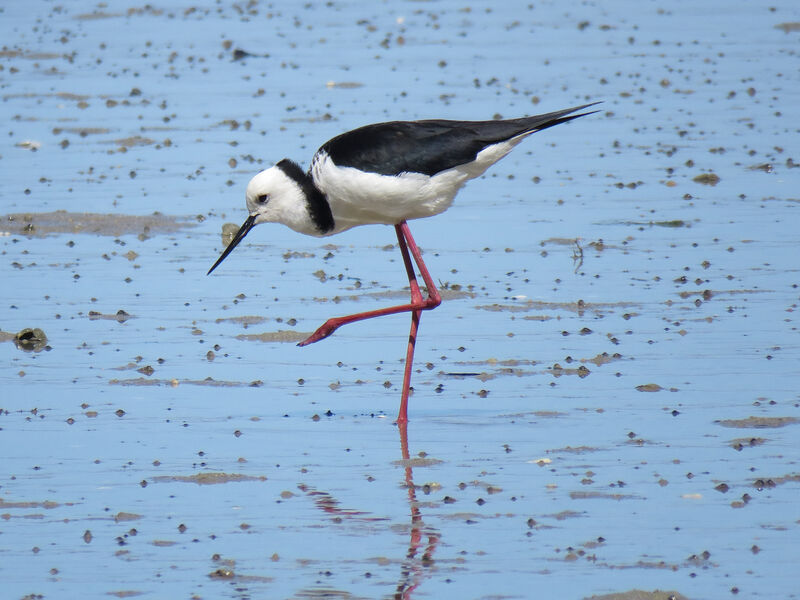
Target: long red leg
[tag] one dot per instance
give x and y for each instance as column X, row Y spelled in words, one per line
column 415, row 307
column 432, row 301
column 416, row 298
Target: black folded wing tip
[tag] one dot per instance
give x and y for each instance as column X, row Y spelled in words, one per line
column 433, row 145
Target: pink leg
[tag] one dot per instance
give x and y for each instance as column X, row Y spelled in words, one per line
column 417, row 302
column 416, row 298
column 415, row 307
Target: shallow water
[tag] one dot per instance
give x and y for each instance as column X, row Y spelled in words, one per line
column 605, row 402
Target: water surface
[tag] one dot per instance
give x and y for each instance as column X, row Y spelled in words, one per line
column 605, row 402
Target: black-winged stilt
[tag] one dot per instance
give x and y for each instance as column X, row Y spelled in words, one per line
column 386, row 173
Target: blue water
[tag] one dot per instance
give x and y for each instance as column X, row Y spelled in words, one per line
column 141, row 109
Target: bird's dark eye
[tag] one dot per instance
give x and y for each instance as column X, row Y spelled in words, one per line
column 263, row 198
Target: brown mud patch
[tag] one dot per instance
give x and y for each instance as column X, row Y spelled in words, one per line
column 580, row 307
column 640, row 595
column 673, row 223
column 120, row 316
column 245, row 320
column 131, row 12
column 47, row 504
column 81, row 131
column 545, row 414
column 558, row 371
column 132, row 141
column 274, row 336
column 588, row 495
column 771, row 482
column 208, row 381
column 603, row 358
column 789, row 26
column 517, row 368
column 649, row 387
column 759, row 422
column 6, row 336
column 573, row 450
column 742, row 443
column 417, row 462
column 711, row 179
column 122, row 517
column 207, row 478
column 126, row 593
column 61, row 221
column 708, row 294
column 31, row 55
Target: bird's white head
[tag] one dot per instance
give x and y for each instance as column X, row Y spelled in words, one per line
column 272, row 196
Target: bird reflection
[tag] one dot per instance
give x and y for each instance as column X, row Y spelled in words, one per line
column 419, row 558
column 418, row 563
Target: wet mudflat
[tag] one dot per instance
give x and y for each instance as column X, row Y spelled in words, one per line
column 604, row 406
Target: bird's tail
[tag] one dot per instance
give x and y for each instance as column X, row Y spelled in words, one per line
column 539, row 122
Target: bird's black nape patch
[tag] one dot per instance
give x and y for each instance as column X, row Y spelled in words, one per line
column 318, row 206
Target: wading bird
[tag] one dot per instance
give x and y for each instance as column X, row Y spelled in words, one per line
column 386, row 173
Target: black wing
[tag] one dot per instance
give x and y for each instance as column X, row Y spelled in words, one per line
column 429, row 147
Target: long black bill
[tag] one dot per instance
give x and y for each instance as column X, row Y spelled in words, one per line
column 243, row 230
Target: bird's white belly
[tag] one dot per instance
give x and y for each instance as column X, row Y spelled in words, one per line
column 360, row 198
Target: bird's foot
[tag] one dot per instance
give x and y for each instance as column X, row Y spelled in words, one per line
column 326, row 329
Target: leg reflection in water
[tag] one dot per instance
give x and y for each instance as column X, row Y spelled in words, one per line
column 419, row 558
